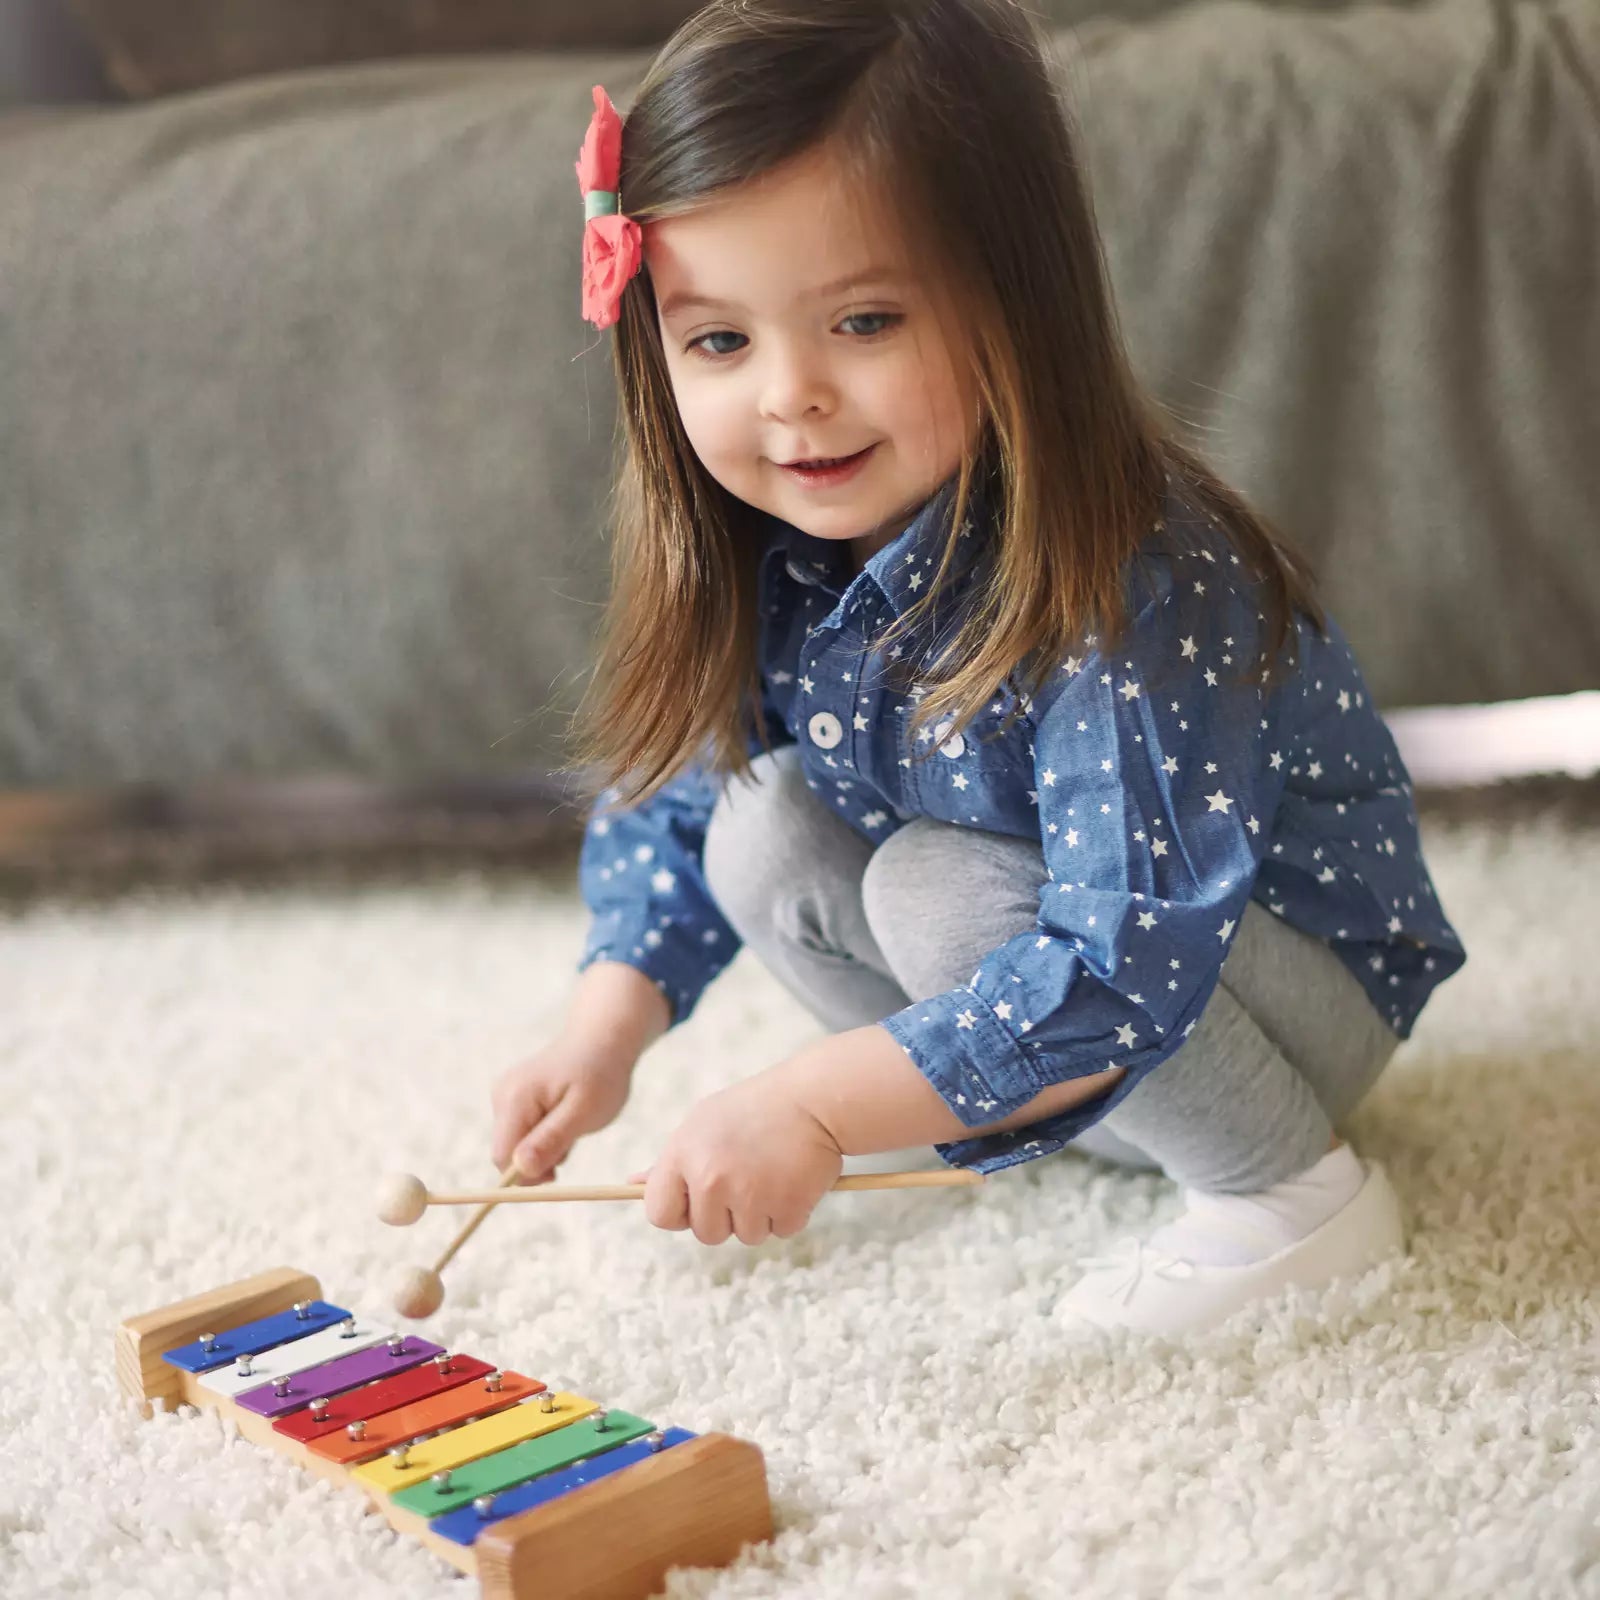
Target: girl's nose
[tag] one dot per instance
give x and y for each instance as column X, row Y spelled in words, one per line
column 796, row 384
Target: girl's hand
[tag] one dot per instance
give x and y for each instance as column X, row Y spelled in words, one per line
column 544, row 1105
column 747, row 1161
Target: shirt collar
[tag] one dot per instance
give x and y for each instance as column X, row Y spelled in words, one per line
column 905, row 566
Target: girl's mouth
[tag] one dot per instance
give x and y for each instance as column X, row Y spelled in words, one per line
column 826, row 473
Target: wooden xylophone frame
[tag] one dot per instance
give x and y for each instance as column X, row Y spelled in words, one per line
column 697, row 1504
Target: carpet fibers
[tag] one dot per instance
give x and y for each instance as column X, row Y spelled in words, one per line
column 201, row 1082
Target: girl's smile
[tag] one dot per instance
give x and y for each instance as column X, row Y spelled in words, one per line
column 829, row 474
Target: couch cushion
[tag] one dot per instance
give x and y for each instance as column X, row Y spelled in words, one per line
column 1360, row 254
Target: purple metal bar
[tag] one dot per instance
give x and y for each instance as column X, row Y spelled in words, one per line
column 336, row 1376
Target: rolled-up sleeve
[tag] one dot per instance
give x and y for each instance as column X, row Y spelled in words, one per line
column 1156, row 782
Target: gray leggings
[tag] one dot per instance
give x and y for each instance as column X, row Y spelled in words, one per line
column 1286, row 1048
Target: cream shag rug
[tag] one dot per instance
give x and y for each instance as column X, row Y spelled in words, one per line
column 199, row 1084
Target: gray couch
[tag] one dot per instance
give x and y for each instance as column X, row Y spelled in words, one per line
column 303, row 444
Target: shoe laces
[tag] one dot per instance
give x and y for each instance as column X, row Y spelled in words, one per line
column 1130, row 1261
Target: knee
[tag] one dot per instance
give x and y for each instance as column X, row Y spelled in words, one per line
column 912, row 880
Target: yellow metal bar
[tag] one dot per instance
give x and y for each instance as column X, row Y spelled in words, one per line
column 481, row 1438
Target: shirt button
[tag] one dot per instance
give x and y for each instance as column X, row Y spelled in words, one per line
column 949, row 747
column 825, row 730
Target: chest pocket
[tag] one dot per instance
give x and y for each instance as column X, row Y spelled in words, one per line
column 979, row 777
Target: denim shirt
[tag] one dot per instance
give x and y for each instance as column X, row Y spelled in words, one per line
column 1163, row 795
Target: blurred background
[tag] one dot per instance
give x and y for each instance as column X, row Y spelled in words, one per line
column 304, row 445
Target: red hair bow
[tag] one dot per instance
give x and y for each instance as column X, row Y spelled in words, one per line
column 612, row 243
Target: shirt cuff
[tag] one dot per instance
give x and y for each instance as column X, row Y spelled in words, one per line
column 681, row 976
column 991, row 1152
column 963, row 1049
column 982, row 1073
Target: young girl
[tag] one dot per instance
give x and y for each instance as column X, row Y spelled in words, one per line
column 1059, row 801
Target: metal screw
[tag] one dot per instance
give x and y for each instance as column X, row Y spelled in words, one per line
column 399, row 1455
column 280, row 1386
column 397, row 1344
column 347, row 1328
column 208, row 1342
column 358, row 1430
column 494, row 1383
column 441, row 1481
column 483, row 1505
column 243, row 1367
column 319, row 1409
column 302, row 1310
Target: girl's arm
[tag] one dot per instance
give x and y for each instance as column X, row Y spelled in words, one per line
column 864, row 1090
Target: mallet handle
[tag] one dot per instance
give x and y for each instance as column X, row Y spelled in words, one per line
column 530, row 1193
column 471, row 1227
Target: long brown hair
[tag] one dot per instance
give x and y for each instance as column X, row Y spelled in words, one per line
column 915, row 98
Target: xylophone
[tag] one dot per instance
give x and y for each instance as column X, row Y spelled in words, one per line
column 536, row 1492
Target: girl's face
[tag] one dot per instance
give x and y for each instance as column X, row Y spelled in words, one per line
column 796, row 329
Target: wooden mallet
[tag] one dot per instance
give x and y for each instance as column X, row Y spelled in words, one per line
column 421, row 1291
column 402, row 1199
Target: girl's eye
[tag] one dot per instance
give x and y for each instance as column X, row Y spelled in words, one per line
column 887, row 319
column 694, row 346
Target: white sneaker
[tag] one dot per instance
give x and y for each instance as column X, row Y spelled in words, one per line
column 1153, row 1291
